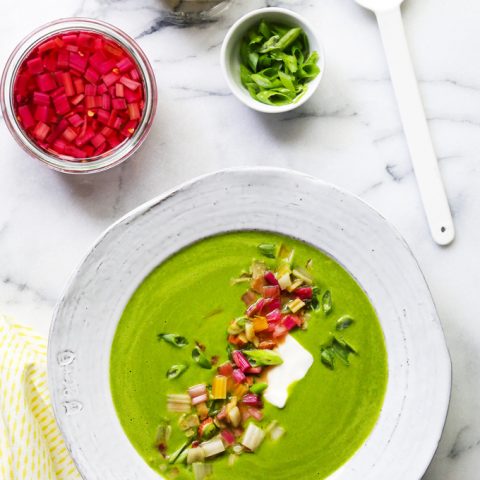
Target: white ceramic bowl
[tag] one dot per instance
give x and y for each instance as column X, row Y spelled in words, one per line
column 230, row 55
column 411, row 421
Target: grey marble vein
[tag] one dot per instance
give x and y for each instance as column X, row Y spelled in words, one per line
column 200, row 93
column 462, row 444
column 27, row 288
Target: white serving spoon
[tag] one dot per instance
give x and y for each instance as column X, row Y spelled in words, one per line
column 425, row 163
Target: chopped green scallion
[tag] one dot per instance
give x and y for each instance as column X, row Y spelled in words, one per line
column 267, row 250
column 173, row 339
column 344, row 322
column 175, row 371
column 327, row 305
column 199, row 357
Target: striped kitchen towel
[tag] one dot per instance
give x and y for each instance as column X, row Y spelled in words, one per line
column 31, row 447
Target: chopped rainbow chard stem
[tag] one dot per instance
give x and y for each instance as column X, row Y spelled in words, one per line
column 225, row 417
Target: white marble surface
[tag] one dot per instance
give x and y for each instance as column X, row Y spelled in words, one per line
column 348, row 134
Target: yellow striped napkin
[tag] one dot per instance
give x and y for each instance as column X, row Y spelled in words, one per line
column 31, row 447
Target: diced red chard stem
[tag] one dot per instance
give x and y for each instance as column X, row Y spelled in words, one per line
column 251, row 399
column 197, row 390
column 290, row 322
column 240, row 360
column 225, row 369
column 254, row 370
column 75, row 75
column 305, row 293
column 228, row 437
column 270, row 278
column 238, row 376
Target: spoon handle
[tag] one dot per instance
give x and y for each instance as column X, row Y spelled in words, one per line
column 425, row 163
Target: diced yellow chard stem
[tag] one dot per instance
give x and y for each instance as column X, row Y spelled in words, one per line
column 219, row 387
column 260, row 324
column 295, row 305
column 286, row 254
column 284, row 281
column 303, row 275
column 249, row 331
column 234, row 416
column 297, row 283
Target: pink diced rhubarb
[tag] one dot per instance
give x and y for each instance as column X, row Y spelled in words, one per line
column 46, row 82
column 40, row 131
column 26, row 117
column 70, row 94
column 35, row 66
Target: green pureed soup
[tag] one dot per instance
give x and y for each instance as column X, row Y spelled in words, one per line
column 329, row 412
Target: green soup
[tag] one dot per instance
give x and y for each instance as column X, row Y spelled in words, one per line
column 329, row 413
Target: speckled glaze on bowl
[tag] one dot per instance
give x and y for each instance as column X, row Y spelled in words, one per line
column 410, row 425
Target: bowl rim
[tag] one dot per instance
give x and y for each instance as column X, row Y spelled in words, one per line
column 243, row 95
column 446, row 378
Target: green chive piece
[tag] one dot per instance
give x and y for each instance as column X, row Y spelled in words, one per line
column 258, row 388
column 176, row 371
column 276, row 63
column 314, row 302
column 264, row 29
column 264, row 357
column 289, row 38
column 173, row 339
column 341, row 350
column 336, row 348
column 177, row 456
column 344, row 322
column 199, row 357
column 270, row 44
column 327, row 355
column 267, row 250
column 327, row 302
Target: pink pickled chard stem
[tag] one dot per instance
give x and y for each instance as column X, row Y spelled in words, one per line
column 251, row 399
column 240, row 360
column 199, row 399
column 238, row 376
column 197, row 390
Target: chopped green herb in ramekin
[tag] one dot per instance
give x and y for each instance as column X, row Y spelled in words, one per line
column 276, row 63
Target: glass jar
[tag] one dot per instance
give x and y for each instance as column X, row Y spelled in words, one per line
column 63, row 163
column 193, row 11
